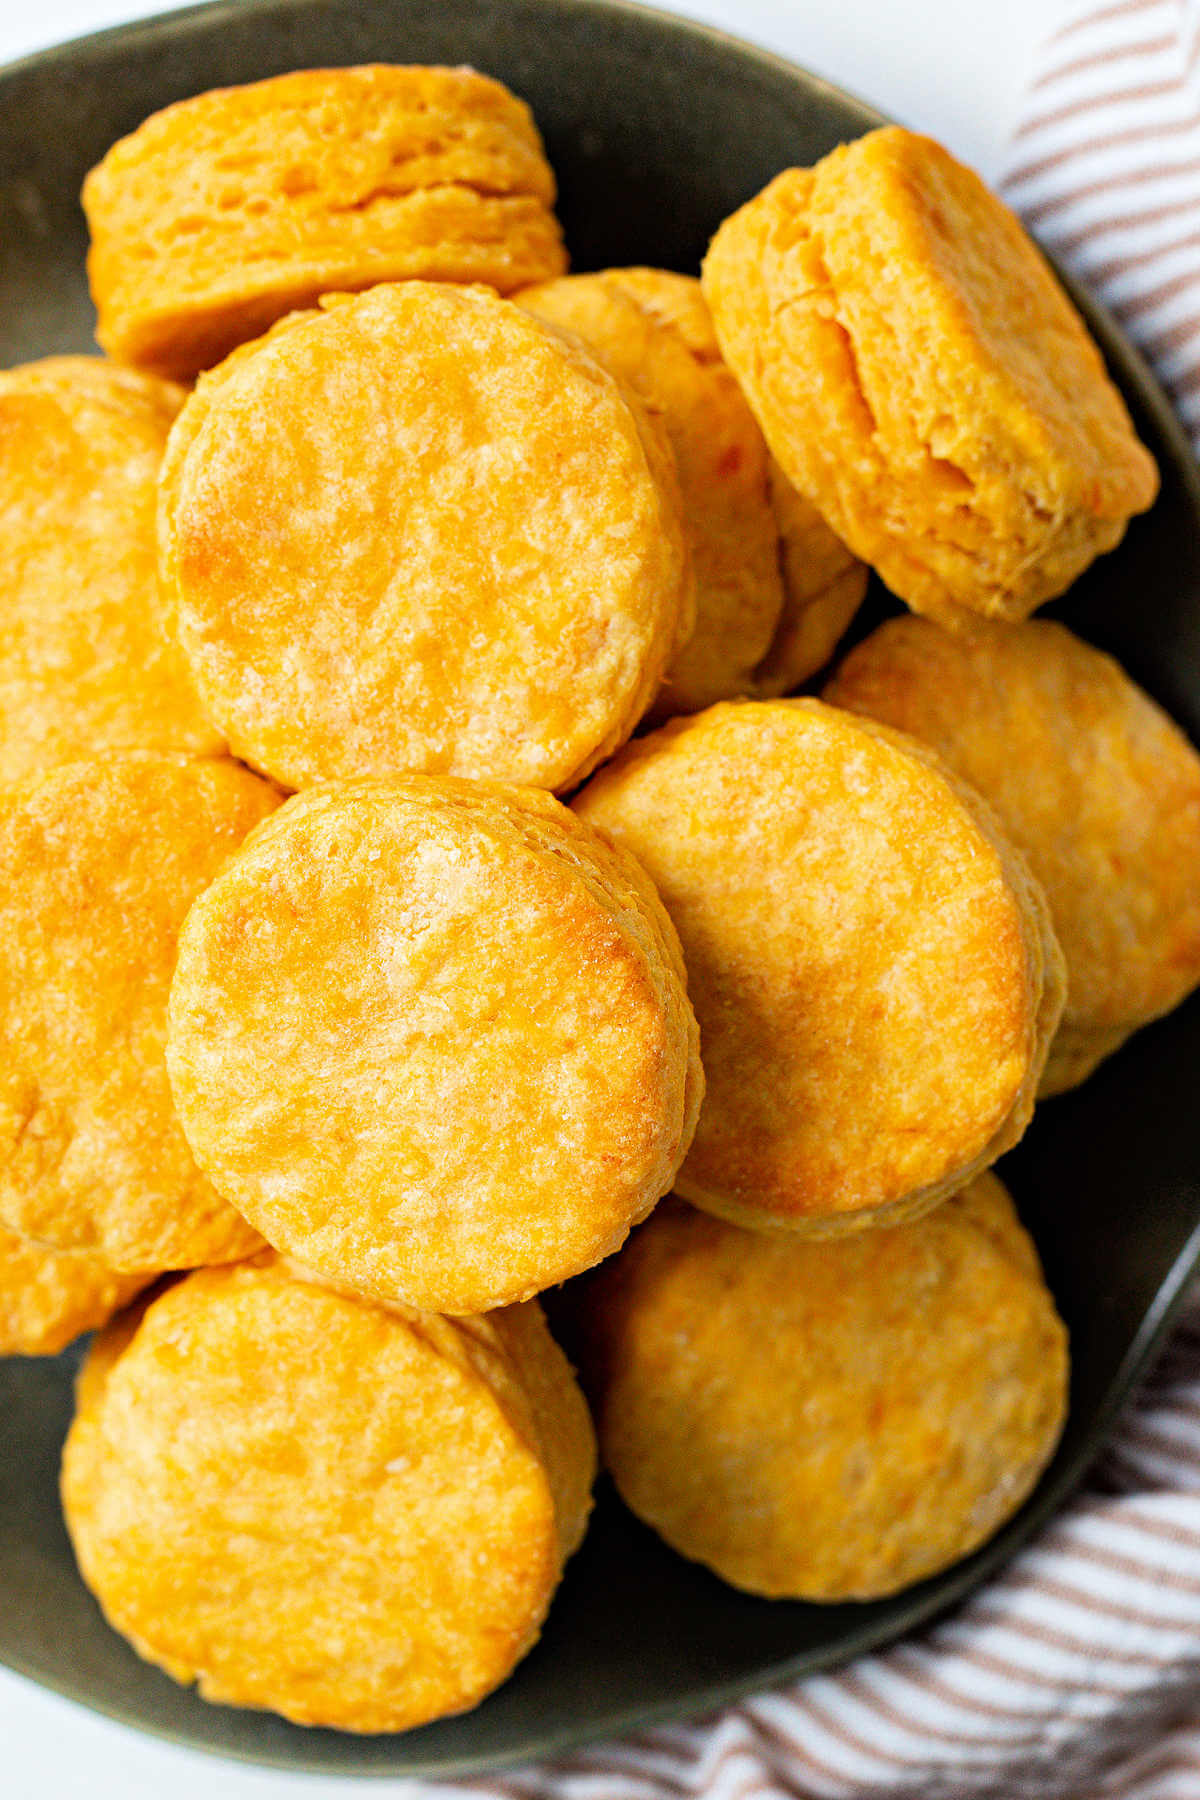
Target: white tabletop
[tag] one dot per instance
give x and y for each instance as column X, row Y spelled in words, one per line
column 955, row 68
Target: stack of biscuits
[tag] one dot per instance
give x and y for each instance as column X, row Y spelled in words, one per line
column 420, row 874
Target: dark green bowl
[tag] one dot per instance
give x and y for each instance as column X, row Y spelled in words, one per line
column 657, row 129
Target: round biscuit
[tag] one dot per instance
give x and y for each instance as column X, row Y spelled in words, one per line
column 826, row 1421
column 352, row 1516
column 871, row 964
column 432, row 1038
column 422, row 530
column 774, row 588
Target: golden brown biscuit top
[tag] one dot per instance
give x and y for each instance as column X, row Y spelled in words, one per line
column 907, row 1392
column 360, row 132
column 422, row 530
column 100, row 863
column 310, row 1503
column 86, row 663
column 873, row 972
column 1092, row 781
column 433, row 1037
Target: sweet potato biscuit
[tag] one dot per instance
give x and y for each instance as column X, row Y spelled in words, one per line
column 920, row 374
column 871, row 963
column 225, row 211
column 422, row 530
column 100, row 861
column 827, row 1421
column 350, row 1515
column 753, row 628
column 47, row 1297
column 85, row 662
column 432, row 1037
column 1089, row 779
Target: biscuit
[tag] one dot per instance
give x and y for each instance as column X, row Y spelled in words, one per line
column 99, row 862
column 300, row 1501
column 827, row 1421
column 871, row 964
column 422, row 530
column 922, row 377
column 225, row 211
column 754, row 629
column 86, row 664
column 1088, row 778
column 47, row 1297
column 432, row 1038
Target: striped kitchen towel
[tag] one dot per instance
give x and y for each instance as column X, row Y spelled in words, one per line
column 1106, row 169
column 1077, row 1673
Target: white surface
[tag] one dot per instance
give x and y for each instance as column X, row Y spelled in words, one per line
column 955, row 68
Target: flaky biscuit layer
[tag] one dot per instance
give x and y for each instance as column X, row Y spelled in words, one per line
column 774, row 587
column 225, row 211
column 922, row 377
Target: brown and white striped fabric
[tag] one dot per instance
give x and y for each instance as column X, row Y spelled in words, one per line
column 1076, row 1674
column 1106, row 169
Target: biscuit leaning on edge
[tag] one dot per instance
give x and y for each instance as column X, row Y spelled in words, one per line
column 923, row 378
column 433, row 1038
column 871, row 963
column 1091, row 781
column 826, row 1421
column 86, row 661
column 352, row 1516
column 422, row 530
column 99, row 863
column 227, row 210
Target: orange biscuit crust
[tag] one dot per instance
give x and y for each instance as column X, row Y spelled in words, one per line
column 1088, row 777
column 920, row 374
column 225, row 211
column 827, row 1421
column 422, row 530
column 100, row 862
column 352, row 1516
column 432, row 1037
column 47, row 1297
column 86, row 663
column 871, row 964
